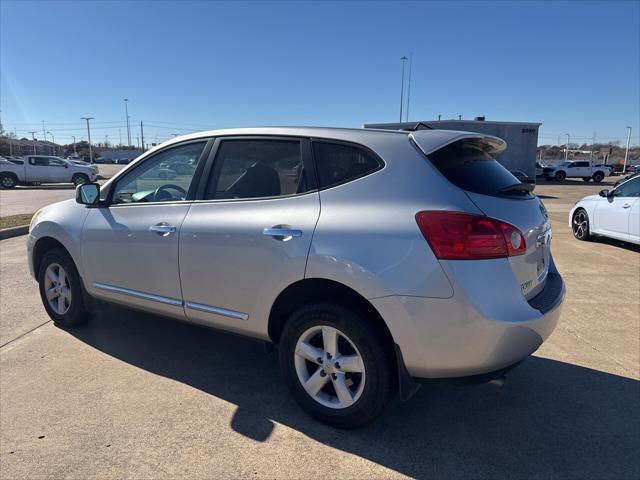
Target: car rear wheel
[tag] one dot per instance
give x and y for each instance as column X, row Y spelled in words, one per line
column 336, row 366
column 560, row 176
column 598, row 176
column 79, row 179
column 580, row 225
column 8, row 180
column 60, row 289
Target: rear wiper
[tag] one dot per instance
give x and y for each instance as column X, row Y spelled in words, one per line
column 518, row 187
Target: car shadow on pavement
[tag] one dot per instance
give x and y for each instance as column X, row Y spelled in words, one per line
column 618, row 243
column 550, row 419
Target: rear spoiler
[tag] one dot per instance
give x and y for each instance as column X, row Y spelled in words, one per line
column 429, row 141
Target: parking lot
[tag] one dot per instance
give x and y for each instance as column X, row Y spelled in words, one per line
column 131, row 395
column 28, row 199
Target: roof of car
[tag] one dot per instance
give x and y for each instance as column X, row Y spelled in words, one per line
column 428, row 140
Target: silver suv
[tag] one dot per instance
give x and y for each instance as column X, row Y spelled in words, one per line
column 369, row 257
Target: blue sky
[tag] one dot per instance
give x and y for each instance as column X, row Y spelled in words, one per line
column 185, row 66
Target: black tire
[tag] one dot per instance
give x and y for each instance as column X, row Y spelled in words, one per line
column 376, row 354
column 8, row 180
column 586, row 179
column 598, row 177
column 79, row 179
column 560, row 176
column 580, row 225
column 76, row 311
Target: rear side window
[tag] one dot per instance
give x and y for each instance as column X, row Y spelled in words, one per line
column 339, row 163
column 39, row 161
column 257, row 169
column 469, row 164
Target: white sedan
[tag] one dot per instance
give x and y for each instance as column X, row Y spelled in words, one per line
column 612, row 213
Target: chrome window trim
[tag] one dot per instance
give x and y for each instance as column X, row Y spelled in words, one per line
column 137, row 294
column 217, row 310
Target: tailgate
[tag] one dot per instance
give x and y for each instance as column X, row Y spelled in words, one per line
column 531, row 218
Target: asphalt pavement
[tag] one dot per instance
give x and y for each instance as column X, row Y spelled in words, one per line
column 131, row 395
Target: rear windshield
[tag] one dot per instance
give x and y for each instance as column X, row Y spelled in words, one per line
column 470, row 165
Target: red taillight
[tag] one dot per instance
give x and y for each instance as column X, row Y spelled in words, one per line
column 463, row 236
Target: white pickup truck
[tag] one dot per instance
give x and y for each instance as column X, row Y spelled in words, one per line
column 44, row 169
column 577, row 169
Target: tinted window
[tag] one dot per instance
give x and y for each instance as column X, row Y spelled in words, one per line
column 470, row 165
column 54, row 162
column 39, row 161
column 582, row 164
column 160, row 178
column 338, row 163
column 257, row 169
column 630, row 188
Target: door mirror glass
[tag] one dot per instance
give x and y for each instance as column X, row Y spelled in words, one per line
column 604, row 193
column 88, row 194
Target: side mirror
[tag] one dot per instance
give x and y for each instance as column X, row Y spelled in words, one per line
column 604, row 193
column 88, row 194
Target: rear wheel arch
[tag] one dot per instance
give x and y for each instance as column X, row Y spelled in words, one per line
column 320, row 290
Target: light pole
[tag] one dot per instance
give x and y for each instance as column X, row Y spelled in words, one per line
column 33, row 137
column 89, row 135
column 406, row 117
column 126, row 111
column 53, row 140
column 106, row 141
column 404, row 59
column 626, row 153
column 566, row 150
column 74, row 144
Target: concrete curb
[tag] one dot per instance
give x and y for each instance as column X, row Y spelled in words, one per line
column 13, row 232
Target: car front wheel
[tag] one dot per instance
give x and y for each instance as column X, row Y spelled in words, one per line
column 60, row 289
column 338, row 368
column 560, row 176
column 79, row 179
column 580, row 225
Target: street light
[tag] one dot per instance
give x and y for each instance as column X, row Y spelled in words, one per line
column 33, row 136
column 74, row 144
column 89, row 135
column 126, row 111
column 404, row 59
column 53, row 140
column 566, row 151
column 626, row 153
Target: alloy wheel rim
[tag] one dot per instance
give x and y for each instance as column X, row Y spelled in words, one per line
column 57, row 288
column 580, row 224
column 7, row 182
column 330, row 367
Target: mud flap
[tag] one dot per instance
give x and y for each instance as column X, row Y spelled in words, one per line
column 407, row 386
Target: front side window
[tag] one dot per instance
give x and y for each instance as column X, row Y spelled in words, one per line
column 628, row 189
column 54, row 162
column 257, row 169
column 161, row 178
column 339, row 163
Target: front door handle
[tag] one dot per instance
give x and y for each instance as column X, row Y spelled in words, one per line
column 282, row 232
column 163, row 229
column 626, row 205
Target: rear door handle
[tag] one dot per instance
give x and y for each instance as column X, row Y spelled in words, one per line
column 626, row 205
column 280, row 233
column 163, row 229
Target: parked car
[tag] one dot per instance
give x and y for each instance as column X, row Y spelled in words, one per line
column 576, row 169
column 539, row 169
column 387, row 282
column 612, row 213
column 625, row 178
column 523, row 177
column 45, row 169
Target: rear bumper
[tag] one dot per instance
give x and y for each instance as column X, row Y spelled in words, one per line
column 485, row 327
